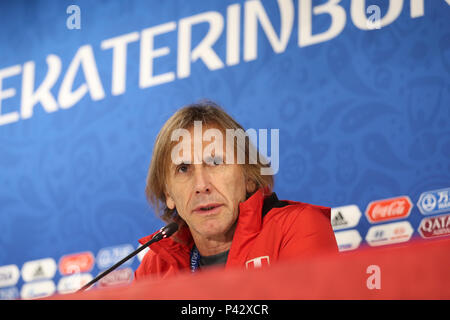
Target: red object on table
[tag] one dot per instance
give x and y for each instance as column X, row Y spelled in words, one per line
column 412, row 270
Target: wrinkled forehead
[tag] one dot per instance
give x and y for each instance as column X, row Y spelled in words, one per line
column 203, row 142
column 193, row 144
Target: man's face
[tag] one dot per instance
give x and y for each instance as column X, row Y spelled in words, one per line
column 207, row 195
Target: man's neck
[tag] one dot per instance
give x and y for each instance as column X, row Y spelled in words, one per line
column 208, row 246
column 212, row 247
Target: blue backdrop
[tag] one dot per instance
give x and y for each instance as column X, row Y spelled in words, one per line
column 363, row 114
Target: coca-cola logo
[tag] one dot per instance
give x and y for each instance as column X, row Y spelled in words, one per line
column 437, row 226
column 76, row 263
column 389, row 209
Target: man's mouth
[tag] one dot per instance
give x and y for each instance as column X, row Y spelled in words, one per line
column 208, row 208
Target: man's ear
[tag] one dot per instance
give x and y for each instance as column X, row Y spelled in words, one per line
column 250, row 186
column 170, row 203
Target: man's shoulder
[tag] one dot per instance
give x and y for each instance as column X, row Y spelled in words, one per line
column 296, row 209
column 164, row 258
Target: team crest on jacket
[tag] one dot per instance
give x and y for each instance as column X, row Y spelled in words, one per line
column 257, row 262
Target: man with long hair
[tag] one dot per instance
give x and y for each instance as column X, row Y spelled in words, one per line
column 221, row 197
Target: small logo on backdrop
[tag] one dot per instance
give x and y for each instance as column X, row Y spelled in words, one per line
column 432, row 227
column 257, row 262
column 73, row 282
column 348, row 240
column 10, row 293
column 434, row 202
column 345, row 217
column 107, row 257
column 117, row 277
column 389, row 209
column 37, row 289
column 39, row 269
column 76, row 263
column 389, row 233
column 9, row 275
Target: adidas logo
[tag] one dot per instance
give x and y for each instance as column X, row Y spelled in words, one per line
column 39, row 272
column 338, row 220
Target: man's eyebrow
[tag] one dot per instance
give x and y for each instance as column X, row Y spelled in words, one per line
column 185, row 162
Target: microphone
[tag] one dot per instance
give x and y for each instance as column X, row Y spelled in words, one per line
column 164, row 232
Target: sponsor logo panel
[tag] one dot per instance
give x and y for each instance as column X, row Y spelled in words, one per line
column 437, row 226
column 9, row 275
column 348, row 240
column 345, row 217
column 107, row 257
column 37, row 289
column 434, row 202
column 39, row 269
column 389, row 209
column 117, row 277
column 73, row 282
column 76, row 263
column 10, row 293
column 389, row 233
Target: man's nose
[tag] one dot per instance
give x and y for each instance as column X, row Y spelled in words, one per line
column 201, row 180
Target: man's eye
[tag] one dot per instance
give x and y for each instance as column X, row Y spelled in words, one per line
column 182, row 168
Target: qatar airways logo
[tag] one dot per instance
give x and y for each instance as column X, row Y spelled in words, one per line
column 222, row 149
column 436, row 226
column 224, row 29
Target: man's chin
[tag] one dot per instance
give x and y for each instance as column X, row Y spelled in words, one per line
column 213, row 230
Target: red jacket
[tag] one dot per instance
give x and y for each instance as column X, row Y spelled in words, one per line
column 268, row 230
